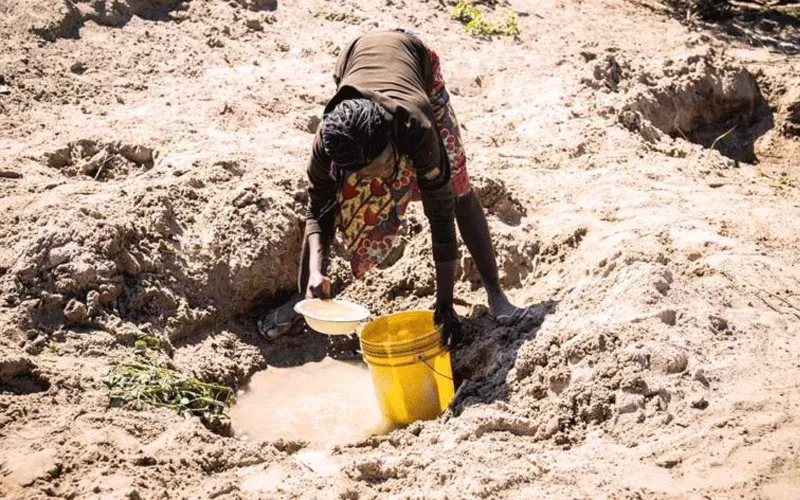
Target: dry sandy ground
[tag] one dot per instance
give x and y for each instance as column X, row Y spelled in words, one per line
column 151, row 181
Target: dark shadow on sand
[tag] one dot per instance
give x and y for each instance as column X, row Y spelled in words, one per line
column 774, row 27
column 488, row 352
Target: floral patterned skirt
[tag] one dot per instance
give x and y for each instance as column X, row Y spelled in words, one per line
column 372, row 211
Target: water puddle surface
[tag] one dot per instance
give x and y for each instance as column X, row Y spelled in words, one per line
column 324, row 403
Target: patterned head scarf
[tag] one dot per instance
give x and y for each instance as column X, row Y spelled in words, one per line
column 355, row 133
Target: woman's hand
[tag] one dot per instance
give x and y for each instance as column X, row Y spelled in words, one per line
column 319, row 287
column 445, row 315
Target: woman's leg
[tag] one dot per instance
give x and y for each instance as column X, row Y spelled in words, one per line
column 470, row 217
column 474, row 231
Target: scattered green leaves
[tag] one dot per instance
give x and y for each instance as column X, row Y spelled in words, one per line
column 476, row 23
column 147, row 343
column 150, row 385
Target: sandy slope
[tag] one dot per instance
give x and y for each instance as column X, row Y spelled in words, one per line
column 151, row 180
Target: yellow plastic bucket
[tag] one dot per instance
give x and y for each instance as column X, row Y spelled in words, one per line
column 410, row 366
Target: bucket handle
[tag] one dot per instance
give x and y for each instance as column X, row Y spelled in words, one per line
column 422, row 358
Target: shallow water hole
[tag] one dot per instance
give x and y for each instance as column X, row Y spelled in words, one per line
column 324, row 403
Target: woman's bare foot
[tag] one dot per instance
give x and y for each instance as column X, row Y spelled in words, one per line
column 504, row 312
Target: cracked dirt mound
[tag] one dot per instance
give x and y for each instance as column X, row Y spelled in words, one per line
column 149, row 252
column 719, row 108
column 20, row 376
column 63, row 18
column 152, row 203
column 704, row 98
column 100, row 161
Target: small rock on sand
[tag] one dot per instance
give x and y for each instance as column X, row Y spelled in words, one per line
column 254, row 24
column 76, row 311
column 78, row 68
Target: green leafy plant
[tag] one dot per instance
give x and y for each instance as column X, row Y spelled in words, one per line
column 147, row 343
column 466, row 12
column 144, row 384
column 510, row 21
column 476, row 24
column 53, row 347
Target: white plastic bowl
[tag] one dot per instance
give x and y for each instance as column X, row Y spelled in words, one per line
column 332, row 317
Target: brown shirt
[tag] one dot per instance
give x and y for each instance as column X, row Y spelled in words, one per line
column 394, row 70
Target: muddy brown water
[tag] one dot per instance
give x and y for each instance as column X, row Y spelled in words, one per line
column 329, row 402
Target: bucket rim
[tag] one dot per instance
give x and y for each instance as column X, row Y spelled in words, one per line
column 391, row 348
column 425, row 338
